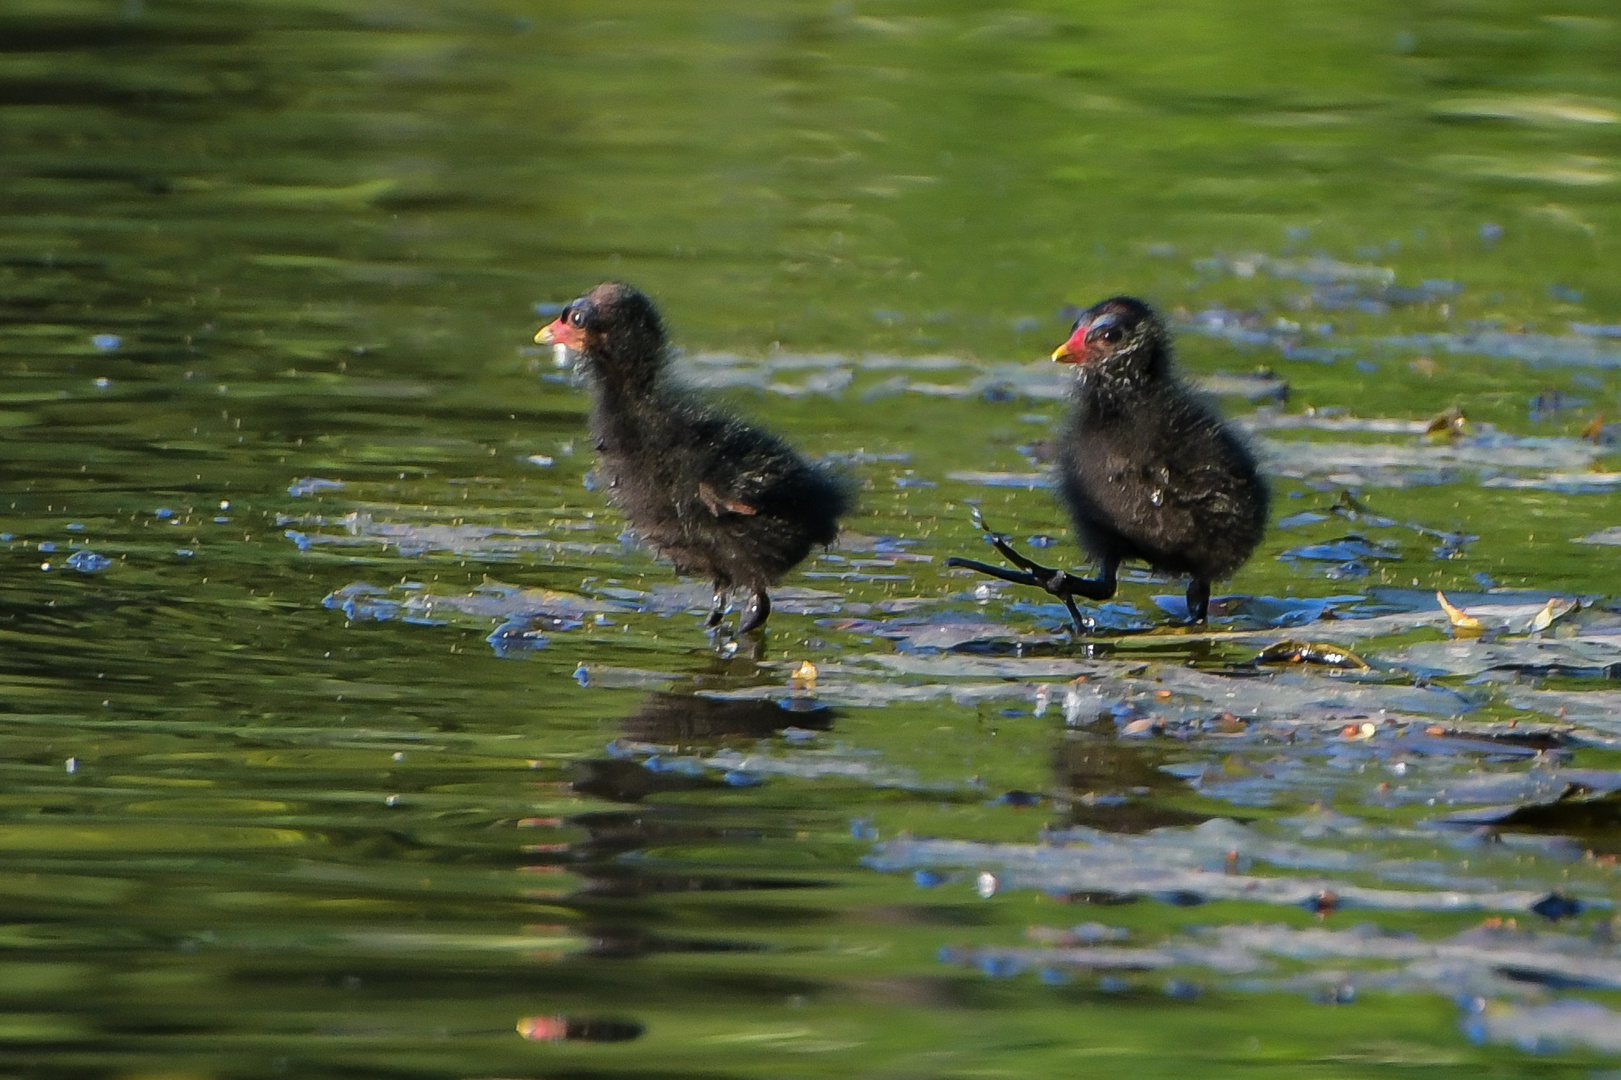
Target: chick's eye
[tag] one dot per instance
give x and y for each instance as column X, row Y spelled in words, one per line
column 576, row 317
column 1111, row 334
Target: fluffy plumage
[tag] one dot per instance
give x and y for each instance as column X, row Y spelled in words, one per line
column 1147, row 468
column 720, row 498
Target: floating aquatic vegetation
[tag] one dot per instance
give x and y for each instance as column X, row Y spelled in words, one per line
column 1590, row 483
column 1573, row 350
column 520, row 635
column 850, row 685
column 1176, row 865
column 1452, row 545
column 851, row 458
column 1029, row 481
column 362, row 601
column 1488, row 453
column 739, row 769
column 1577, row 658
column 413, row 540
column 1596, row 714
column 1255, row 387
column 412, row 602
column 951, row 630
column 1585, row 805
column 1486, row 790
column 88, row 562
column 694, row 597
column 1352, row 546
column 1497, row 611
column 1239, row 328
column 832, row 374
column 892, row 549
column 1601, row 330
column 1322, row 420
column 1496, row 959
column 313, row 485
column 1310, row 270
column 1548, row 404
column 1240, row 613
column 1282, row 611
column 1546, row 1028
column 1331, row 286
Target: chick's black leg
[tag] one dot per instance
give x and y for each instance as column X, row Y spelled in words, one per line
column 717, row 609
column 1059, row 583
column 755, row 612
column 1198, row 600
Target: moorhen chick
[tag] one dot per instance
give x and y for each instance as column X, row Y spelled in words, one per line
column 718, row 497
column 1146, row 467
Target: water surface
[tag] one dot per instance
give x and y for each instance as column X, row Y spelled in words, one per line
column 345, row 733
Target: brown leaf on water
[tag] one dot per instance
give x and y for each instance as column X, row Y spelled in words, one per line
column 1447, row 424
column 1312, row 652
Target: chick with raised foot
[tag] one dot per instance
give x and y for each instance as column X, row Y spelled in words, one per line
column 1146, row 467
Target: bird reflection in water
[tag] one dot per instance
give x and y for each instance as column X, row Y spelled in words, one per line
column 690, row 721
column 606, row 877
column 1112, row 785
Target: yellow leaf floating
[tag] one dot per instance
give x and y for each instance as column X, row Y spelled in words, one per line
column 1555, row 609
column 804, row 676
column 1462, row 621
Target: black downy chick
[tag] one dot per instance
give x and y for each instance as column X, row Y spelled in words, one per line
column 720, row 498
column 1146, row 467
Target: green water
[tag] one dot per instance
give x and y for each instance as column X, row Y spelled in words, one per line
column 247, row 834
